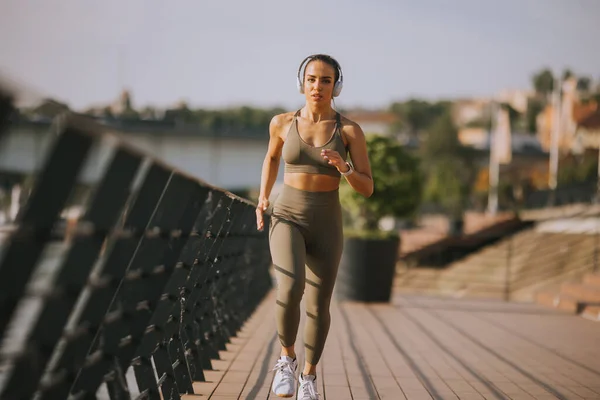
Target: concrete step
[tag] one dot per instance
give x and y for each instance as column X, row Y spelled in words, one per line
column 558, row 301
column 592, row 280
column 582, row 292
column 527, row 289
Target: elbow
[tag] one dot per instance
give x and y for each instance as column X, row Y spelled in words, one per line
column 369, row 191
column 271, row 160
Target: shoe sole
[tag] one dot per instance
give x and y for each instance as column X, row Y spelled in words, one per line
column 285, row 395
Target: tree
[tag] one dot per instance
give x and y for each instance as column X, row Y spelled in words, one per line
column 149, row 112
column 449, row 185
column 515, row 117
column 107, row 112
column 534, row 107
column 584, row 84
column 180, row 114
column 448, row 167
column 567, row 73
column 417, row 115
column 543, row 82
column 441, row 139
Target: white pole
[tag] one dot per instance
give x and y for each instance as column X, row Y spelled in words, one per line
column 494, row 169
column 554, row 139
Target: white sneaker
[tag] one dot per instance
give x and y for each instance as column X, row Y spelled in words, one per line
column 308, row 388
column 284, row 384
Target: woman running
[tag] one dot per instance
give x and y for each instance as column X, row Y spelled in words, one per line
column 305, row 235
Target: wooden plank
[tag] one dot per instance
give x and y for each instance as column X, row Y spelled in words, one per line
column 225, row 378
column 422, row 348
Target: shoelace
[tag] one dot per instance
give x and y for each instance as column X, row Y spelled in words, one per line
column 285, row 367
column 309, row 390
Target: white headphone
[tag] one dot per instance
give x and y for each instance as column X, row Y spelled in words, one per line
column 339, row 84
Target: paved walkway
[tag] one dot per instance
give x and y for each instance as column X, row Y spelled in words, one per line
column 423, row 348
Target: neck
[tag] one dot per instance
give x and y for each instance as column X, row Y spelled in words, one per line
column 317, row 113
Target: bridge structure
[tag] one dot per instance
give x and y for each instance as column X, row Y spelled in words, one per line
column 163, row 290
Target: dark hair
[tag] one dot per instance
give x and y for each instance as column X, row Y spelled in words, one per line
column 326, row 59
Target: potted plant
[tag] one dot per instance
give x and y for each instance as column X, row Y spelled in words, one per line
column 370, row 254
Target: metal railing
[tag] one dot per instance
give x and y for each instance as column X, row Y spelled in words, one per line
column 157, row 275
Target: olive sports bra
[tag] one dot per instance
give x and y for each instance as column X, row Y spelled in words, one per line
column 299, row 156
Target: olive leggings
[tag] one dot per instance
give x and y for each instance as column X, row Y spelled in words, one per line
column 306, row 246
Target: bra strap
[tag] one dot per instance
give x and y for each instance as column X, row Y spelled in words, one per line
column 338, row 127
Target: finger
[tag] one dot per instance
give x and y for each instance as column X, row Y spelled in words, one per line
column 334, row 159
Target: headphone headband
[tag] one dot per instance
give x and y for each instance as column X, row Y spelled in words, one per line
column 337, row 89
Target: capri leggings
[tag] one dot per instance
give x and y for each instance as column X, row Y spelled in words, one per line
column 306, row 246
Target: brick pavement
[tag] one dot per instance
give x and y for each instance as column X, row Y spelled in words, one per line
column 424, row 348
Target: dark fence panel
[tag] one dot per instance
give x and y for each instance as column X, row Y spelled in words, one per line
column 581, row 192
column 159, row 273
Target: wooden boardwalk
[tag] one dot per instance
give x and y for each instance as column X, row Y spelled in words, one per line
column 423, row 348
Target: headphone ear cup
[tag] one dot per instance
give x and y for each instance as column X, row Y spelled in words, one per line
column 299, row 85
column 337, row 88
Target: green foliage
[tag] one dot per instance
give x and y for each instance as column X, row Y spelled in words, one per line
column 517, row 120
column 448, row 167
column 543, row 82
column 567, row 73
column 441, row 139
column 584, row 84
column 397, row 184
column 483, row 123
column 580, row 170
column 449, row 184
column 244, row 118
column 417, row 115
column 534, row 107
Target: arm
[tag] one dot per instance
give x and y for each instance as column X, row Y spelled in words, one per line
column 270, row 168
column 361, row 179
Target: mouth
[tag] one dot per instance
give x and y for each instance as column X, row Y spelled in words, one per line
column 316, row 97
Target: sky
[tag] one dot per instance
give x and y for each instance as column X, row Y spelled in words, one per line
column 222, row 53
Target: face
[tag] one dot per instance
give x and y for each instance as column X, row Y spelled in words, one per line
column 319, row 79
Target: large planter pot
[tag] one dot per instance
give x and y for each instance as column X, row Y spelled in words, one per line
column 367, row 269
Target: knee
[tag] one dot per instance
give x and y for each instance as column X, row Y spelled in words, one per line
column 292, row 294
column 317, row 309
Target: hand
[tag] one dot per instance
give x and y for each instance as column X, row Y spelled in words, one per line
column 334, row 158
column 260, row 209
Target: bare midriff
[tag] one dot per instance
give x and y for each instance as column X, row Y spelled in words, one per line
column 311, row 182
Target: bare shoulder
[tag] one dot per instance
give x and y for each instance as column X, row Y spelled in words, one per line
column 351, row 129
column 280, row 123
